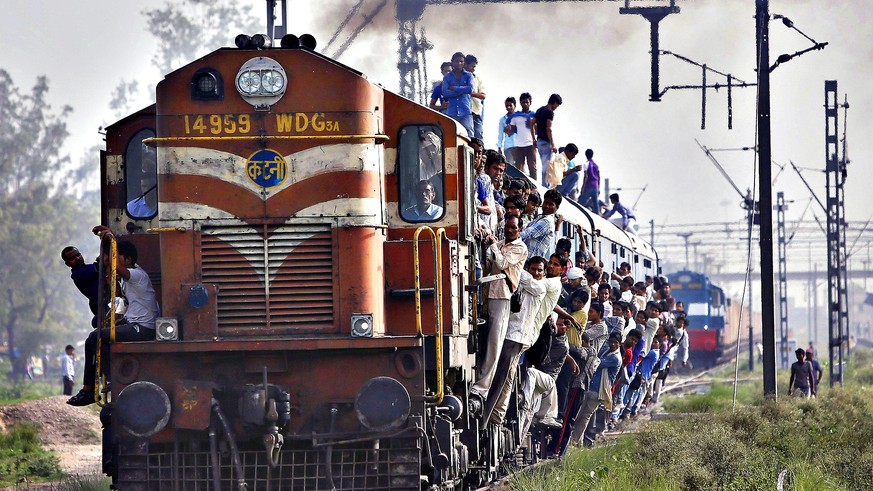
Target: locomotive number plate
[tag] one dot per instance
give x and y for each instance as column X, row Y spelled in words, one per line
column 271, row 124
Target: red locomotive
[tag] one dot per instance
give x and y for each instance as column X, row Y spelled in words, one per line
column 272, row 196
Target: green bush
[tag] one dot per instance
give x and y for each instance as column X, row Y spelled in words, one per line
column 818, row 444
column 26, row 390
column 21, row 456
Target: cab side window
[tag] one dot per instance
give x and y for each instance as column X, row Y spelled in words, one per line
column 141, row 177
column 421, row 172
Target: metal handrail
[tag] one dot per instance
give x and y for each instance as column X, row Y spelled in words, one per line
column 438, row 299
column 161, row 230
column 100, row 377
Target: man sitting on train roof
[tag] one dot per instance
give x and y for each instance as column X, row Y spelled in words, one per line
column 138, row 323
column 424, row 209
column 628, row 221
column 437, row 101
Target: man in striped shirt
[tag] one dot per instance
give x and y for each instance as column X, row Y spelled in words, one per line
column 539, row 234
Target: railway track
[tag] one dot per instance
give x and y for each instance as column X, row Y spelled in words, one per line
column 679, row 384
column 505, row 483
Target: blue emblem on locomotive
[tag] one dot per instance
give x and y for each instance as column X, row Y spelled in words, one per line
column 266, row 168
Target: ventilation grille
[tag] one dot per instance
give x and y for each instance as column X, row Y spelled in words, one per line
column 271, row 279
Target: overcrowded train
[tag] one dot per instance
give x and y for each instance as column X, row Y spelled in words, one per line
column 316, row 332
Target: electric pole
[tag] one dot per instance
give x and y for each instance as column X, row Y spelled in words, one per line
column 768, row 331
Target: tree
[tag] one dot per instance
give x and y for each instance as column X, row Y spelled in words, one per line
column 192, row 29
column 37, row 213
column 184, row 31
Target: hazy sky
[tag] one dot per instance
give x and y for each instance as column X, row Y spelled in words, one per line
column 595, row 58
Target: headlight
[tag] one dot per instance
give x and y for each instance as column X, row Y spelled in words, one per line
column 261, row 82
column 382, row 404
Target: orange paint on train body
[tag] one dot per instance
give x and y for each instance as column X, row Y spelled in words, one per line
column 295, row 222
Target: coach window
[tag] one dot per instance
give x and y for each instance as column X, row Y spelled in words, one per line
column 420, row 166
column 141, row 176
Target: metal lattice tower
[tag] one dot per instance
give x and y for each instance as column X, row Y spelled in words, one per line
column 408, row 62
column 408, row 13
column 835, row 172
column 782, row 246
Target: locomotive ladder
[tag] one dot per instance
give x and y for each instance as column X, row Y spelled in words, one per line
column 100, row 377
column 436, row 237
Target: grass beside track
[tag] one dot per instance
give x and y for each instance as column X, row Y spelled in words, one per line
column 24, row 463
column 821, row 444
column 22, row 458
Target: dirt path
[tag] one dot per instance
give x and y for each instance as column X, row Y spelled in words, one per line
column 72, row 432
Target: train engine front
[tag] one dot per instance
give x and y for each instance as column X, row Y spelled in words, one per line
column 274, row 195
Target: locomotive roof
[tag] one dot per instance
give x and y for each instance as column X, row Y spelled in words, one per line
column 694, row 275
column 146, row 111
column 267, row 52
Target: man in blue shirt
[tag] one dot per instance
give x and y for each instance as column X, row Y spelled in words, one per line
column 456, row 89
column 437, row 101
column 505, row 142
column 539, row 234
column 628, row 220
column 84, row 276
column 424, row 210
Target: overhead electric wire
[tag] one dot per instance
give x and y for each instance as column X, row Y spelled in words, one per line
column 720, row 168
column 781, row 168
column 367, row 20
column 748, row 279
column 344, row 23
column 791, row 237
column 864, row 228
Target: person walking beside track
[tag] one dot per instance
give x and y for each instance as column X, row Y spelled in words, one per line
column 801, row 383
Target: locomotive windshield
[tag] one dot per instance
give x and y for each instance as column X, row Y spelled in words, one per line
column 420, row 168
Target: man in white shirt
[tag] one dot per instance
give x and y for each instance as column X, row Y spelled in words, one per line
column 559, row 167
column 506, row 256
column 477, row 97
column 68, row 364
column 524, row 152
column 653, row 312
column 549, row 304
column 520, row 335
column 138, row 323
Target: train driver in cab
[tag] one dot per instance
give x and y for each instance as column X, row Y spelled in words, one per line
column 144, row 202
column 424, row 208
